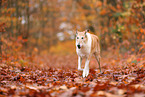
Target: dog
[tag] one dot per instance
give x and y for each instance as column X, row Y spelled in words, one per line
column 87, row 45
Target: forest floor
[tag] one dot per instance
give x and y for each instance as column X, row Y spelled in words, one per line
column 52, row 75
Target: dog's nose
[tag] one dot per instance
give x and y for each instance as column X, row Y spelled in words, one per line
column 79, row 46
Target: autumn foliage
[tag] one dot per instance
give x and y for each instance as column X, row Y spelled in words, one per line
column 37, row 48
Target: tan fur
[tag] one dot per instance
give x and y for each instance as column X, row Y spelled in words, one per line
column 95, row 46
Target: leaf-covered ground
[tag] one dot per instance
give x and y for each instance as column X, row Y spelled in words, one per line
column 123, row 75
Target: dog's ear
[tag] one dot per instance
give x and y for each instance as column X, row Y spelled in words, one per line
column 86, row 32
column 76, row 32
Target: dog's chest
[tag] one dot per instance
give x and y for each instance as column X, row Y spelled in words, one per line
column 83, row 52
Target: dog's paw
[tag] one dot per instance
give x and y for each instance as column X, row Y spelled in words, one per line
column 85, row 72
column 80, row 69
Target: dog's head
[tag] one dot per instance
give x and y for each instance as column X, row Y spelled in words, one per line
column 81, row 38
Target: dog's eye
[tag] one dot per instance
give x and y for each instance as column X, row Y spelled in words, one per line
column 77, row 37
column 82, row 37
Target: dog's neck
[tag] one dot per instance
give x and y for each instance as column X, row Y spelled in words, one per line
column 86, row 38
column 86, row 41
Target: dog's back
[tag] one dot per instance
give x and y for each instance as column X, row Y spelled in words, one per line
column 95, row 47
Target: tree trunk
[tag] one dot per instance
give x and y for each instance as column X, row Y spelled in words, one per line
column 0, row 37
column 0, row 3
column 0, row 47
column 28, row 21
column 26, row 33
column 17, row 16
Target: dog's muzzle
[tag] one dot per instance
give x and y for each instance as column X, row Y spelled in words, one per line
column 79, row 46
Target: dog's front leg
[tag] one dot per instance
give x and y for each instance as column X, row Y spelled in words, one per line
column 79, row 63
column 86, row 69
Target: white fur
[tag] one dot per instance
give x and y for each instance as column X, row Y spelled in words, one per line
column 86, row 69
column 84, row 52
column 89, row 42
column 79, row 63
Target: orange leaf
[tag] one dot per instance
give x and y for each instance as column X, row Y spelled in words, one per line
column 103, row 12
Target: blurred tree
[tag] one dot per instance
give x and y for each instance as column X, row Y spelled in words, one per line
column 0, row 36
column 1, row 30
column 0, row 2
column 38, row 22
column 0, row 48
column 26, row 32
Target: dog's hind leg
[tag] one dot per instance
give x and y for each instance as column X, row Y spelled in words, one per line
column 97, row 56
